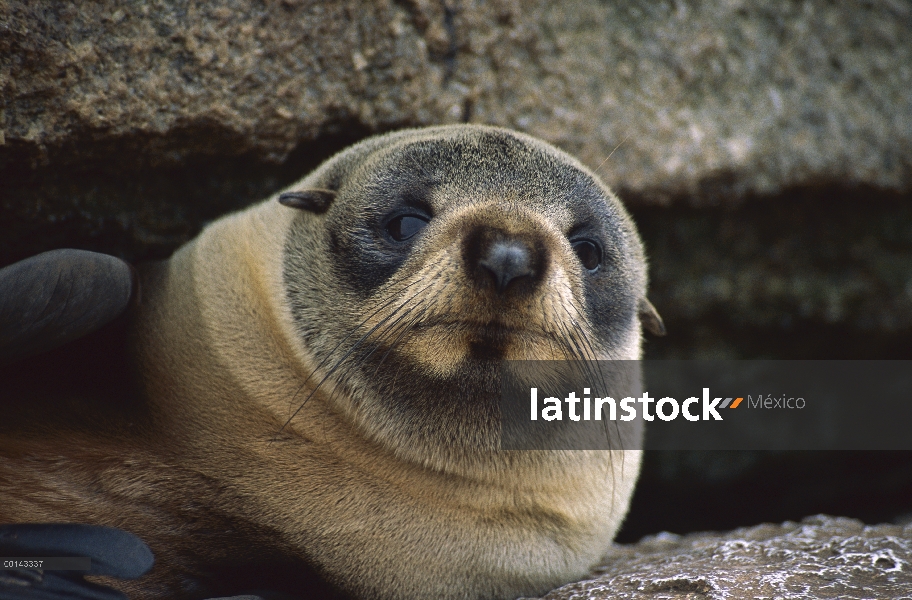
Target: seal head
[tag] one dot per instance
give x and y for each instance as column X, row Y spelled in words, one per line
column 444, row 252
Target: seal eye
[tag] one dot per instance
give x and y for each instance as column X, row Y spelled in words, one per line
column 406, row 226
column 589, row 254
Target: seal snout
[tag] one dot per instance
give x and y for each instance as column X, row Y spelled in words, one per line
column 507, row 261
column 508, row 264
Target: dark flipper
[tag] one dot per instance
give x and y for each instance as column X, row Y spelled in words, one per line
column 112, row 552
column 56, row 297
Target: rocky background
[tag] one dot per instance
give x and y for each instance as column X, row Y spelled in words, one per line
column 821, row 557
column 764, row 149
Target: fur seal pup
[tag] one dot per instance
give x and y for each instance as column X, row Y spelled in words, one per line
column 317, row 377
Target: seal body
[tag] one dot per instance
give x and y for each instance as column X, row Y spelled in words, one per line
column 318, row 382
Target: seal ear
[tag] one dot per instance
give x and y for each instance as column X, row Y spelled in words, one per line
column 650, row 318
column 315, row 200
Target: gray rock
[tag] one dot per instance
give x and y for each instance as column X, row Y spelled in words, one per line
column 821, row 557
column 124, row 129
column 808, row 274
column 711, row 101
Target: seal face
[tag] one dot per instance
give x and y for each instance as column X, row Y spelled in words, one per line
column 461, row 247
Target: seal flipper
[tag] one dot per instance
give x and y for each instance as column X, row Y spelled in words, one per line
column 58, row 296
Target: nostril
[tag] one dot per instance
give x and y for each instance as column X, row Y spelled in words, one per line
column 507, row 261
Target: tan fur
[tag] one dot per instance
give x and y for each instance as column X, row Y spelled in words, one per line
column 217, row 444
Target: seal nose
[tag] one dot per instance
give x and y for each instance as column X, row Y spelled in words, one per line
column 507, row 264
column 507, row 261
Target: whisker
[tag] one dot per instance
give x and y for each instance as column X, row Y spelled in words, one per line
column 387, row 331
column 391, row 327
column 350, row 351
column 593, row 354
column 409, row 326
column 610, row 153
column 342, row 341
column 592, row 357
column 553, row 337
column 344, row 379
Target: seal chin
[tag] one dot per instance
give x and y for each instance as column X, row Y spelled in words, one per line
column 492, row 341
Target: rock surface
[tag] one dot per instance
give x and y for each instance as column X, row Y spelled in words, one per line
column 715, row 99
column 124, row 127
column 821, row 557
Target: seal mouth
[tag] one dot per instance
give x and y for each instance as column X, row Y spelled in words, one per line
column 492, row 330
column 485, row 339
column 492, row 341
column 496, row 334
column 443, row 343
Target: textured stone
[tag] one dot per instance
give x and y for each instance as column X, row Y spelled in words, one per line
column 821, row 557
column 712, row 100
column 780, row 134
column 795, row 277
